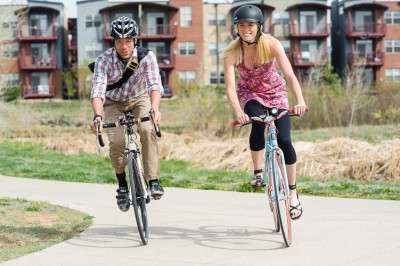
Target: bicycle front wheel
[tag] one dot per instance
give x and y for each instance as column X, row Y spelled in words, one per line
column 282, row 196
column 138, row 197
column 268, row 180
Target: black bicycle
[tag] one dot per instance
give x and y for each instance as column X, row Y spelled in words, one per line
column 139, row 188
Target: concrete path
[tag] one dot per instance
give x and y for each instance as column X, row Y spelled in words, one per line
column 198, row 227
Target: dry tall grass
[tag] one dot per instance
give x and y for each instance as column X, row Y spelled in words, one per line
column 65, row 130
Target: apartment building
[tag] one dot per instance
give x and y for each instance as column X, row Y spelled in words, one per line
column 9, row 76
column 42, row 51
column 172, row 29
column 188, row 35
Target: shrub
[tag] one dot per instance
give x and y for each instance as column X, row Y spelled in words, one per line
column 9, row 94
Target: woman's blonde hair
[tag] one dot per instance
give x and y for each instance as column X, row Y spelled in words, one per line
column 263, row 51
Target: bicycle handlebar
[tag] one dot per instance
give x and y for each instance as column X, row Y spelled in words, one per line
column 122, row 122
column 290, row 111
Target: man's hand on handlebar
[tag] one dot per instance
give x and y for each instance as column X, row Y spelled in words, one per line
column 155, row 116
column 97, row 126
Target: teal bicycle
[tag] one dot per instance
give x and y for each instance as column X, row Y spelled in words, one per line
column 275, row 181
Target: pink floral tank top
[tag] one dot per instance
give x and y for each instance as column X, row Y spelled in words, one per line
column 263, row 84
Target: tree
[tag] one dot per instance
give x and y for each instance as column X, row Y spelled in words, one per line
column 356, row 90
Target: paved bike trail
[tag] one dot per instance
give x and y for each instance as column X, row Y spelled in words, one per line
column 199, row 227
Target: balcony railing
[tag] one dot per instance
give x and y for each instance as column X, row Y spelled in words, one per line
column 309, row 30
column 39, row 91
column 38, row 62
column 26, row 32
column 366, row 59
column 367, row 29
column 309, row 59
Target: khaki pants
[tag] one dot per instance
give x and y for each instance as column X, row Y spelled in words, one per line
column 139, row 107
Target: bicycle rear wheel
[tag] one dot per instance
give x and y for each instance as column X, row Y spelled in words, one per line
column 269, row 191
column 138, row 197
column 281, row 193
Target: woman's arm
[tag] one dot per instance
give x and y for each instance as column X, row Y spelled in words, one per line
column 230, row 87
column 278, row 52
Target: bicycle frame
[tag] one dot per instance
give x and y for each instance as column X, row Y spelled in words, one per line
column 275, row 179
column 271, row 143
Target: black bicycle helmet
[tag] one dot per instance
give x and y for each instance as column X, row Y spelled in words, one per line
column 248, row 13
column 124, row 27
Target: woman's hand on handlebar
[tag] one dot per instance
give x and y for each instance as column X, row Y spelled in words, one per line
column 300, row 109
column 242, row 118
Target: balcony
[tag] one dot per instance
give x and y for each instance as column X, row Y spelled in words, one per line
column 160, row 31
column 27, row 33
column 72, row 43
column 366, row 30
column 308, row 59
column 39, row 91
column 373, row 59
column 309, row 30
column 166, row 60
column 37, row 62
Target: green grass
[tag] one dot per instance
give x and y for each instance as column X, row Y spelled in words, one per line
column 29, row 226
column 26, row 159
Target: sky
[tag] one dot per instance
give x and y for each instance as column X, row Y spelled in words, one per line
column 70, row 5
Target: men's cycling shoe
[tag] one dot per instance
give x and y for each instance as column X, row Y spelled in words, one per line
column 156, row 190
column 123, row 200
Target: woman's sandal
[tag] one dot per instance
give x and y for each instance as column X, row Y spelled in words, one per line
column 257, row 180
column 297, row 207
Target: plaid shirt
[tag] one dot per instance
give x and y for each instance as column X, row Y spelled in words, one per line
column 109, row 69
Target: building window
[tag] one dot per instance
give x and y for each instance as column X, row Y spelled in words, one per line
column 281, row 22
column 186, row 16
column 221, row 18
column 92, row 20
column 39, row 25
column 392, row 46
column 187, row 48
column 187, row 77
column 93, row 50
column 212, row 47
column 392, row 17
column 392, row 74
column 213, row 77
column 40, row 83
column 40, row 54
column 286, row 46
column 10, row 50
column 9, row 80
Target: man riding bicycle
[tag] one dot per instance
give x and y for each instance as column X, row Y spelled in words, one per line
column 140, row 93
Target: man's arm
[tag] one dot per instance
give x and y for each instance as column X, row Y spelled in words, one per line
column 155, row 103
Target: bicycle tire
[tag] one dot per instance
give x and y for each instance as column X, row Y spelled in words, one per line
column 138, row 199
column 269, row 190
column 283, row 202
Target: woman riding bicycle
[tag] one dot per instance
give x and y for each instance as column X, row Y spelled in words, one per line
column 260, row 87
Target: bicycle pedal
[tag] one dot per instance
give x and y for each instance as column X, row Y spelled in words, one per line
column 157, row 198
